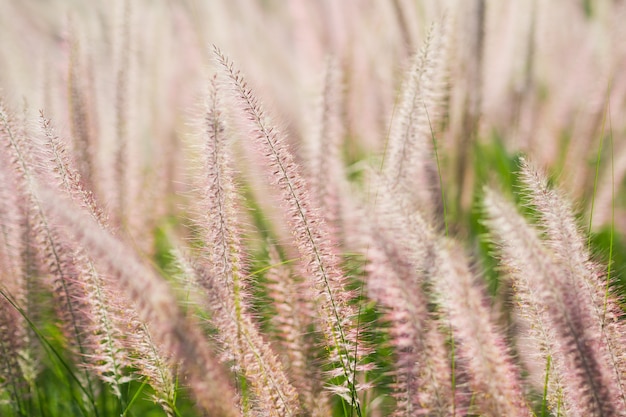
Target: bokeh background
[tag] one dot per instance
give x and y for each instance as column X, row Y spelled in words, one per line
column 543, row 77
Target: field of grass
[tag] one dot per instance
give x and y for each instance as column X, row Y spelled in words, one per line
column 312, row 208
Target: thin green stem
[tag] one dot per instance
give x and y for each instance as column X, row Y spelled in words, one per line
column 597, row 173
column 612, row 229
column 135, row 397
column 48, row 346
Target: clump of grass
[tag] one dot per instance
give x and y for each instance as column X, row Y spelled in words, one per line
column 327, row 280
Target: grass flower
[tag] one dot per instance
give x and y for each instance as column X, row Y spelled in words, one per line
column 223, row 276
column 586, row 375
column 335, row 312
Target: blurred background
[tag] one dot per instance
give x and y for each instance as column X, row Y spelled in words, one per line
column 546, row 78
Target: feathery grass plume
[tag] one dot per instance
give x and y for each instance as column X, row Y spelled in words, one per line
column 79, row 107
column 296, row 338
column 273, row 393
column 328, row 184
column 154, row 303
column 324, row 165
column 493, row 376
column 11, row 265
column 67, row 177
column 225, row 279
column 18, row 265
column 18, row 148
column 537, row 343
column 404, row 235
column 491, row 373
column 483, row 358
column 538, row 349
column 13, row 335
column 11, row 344
column 106, row 354
column 153, row 362
column 54, row 253
column 335, row 312
column 469, row 53
column 111, row 343
column 437, row 394
column 409, row 163
column 113, row 346
column 587, row 378
column 422, row 383
column 121, row 158
column 563, row 236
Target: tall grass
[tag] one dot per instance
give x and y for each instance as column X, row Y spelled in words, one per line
column 339, row 209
